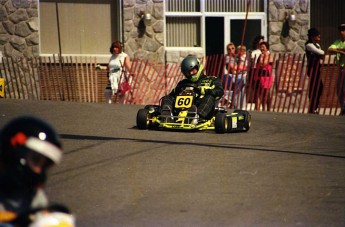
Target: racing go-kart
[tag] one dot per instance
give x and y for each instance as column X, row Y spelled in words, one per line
column 183, row 116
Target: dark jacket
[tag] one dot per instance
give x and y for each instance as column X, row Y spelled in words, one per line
column 313, row 59
column 217, row 90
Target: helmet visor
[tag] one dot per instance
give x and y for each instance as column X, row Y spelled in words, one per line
column 195, row 73
column 37, row 162
column 44, row 148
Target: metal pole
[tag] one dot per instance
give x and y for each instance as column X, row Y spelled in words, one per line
column 58, row 26
column 245, row 23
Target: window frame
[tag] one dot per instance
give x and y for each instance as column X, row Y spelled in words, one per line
column 115, row 22
column 203, row 14
column 186, row 14
column 235, row 16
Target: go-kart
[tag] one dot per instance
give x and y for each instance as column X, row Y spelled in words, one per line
column 183, row 116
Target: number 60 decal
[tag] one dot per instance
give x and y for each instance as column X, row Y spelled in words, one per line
column 183, row 101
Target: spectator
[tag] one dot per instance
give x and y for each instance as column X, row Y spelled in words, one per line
column 241, row 72
column 29, row 147
column 118, row 68
column 264, row 78
column 314, row 53
column 237, row 80
column 211, row 89
column 254, row 55
column 229, row 69
column 338, row 48
column 255, row 51
column 230, row 58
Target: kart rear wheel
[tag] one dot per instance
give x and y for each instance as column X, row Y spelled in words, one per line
column 247, row 119
column 143, row 121
column 247, row 122
column 221, row 123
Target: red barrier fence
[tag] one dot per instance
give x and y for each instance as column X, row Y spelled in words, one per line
column 290, row 88
column 75, row 79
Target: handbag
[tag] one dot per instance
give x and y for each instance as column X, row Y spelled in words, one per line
column 124, row 87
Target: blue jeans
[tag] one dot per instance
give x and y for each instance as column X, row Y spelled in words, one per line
column 232, row 85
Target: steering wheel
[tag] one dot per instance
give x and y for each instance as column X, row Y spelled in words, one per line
column 183, row 87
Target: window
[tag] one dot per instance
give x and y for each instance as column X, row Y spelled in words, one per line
column 182, row 6
column 186, row 19
column 233, row 6
column 78, row 26
column 183, row 31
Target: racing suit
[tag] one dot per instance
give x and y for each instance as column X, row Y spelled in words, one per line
column 15, row 202
column 206, row 103
column 24, row 206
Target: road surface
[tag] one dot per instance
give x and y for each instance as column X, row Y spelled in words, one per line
column 287, row 170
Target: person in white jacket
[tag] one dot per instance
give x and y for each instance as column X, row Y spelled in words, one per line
column 314, row 54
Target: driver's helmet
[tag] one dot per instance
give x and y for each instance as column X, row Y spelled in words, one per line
column 28, row 147
column 189, row 63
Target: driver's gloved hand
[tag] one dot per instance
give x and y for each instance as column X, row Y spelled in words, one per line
column 205, row 90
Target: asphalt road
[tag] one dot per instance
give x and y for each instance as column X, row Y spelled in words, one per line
column 287, row 170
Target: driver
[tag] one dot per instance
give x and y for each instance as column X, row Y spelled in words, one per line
column 211, row 89
column 28, row 148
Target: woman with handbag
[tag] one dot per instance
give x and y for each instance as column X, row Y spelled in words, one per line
column 264, row 78
column 118, row 68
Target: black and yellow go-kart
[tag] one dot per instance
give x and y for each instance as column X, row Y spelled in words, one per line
column 151, row 117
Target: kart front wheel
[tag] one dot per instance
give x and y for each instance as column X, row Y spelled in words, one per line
column 143, row 119
column 221, row 123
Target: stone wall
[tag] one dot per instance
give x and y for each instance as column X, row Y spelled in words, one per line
column 19, row 26
column 284, row 34
column 144, row 42
column 19, row 34
column 147, row 42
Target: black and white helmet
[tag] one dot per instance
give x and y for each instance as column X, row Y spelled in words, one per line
column 23, row 136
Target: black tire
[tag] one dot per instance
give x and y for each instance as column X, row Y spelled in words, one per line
column 247, row 119
column 221, row 123
column 248, row 122
column 143, row 121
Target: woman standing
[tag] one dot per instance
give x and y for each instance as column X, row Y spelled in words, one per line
column 118, row 67
column 229, row 70
column 254, row 54
column 230, row 59
column 264, row 77
column 314, row 53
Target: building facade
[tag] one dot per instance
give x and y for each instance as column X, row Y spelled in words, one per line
column 157, row 30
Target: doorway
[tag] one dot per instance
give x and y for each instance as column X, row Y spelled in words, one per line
column 234, row 25
column 236, row 31
column 214, row 38
column 220, row 30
